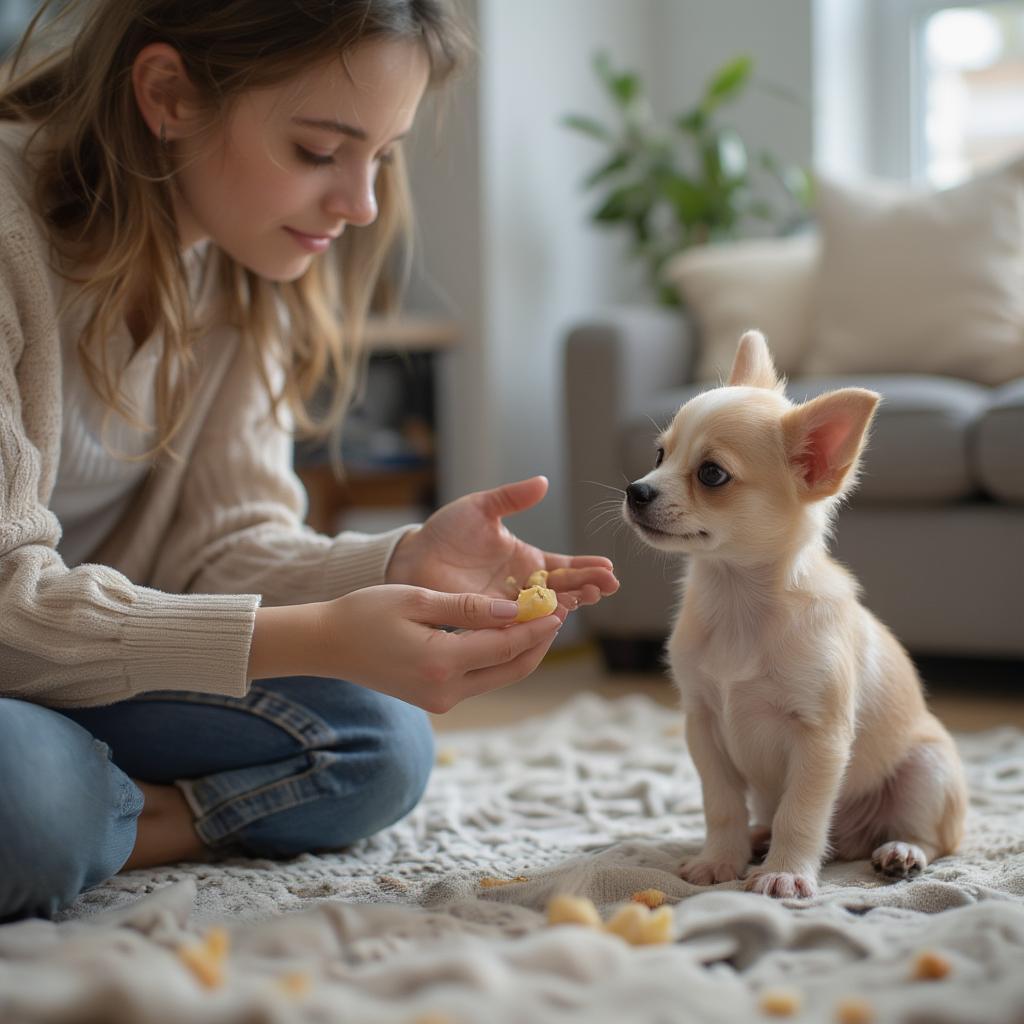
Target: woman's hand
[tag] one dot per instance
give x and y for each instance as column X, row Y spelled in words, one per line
column 464, row 546
column 388, row 638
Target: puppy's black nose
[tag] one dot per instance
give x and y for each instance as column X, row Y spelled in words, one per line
column 639, row 495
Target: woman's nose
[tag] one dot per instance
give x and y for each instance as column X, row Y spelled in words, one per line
column 354, row 201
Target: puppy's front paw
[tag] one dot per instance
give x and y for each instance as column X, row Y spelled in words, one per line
column 782, row 884
column 710, row 872
column 899, row 860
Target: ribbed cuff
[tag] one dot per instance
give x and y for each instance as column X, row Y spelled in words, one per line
column 357, row 560
column 197, row 642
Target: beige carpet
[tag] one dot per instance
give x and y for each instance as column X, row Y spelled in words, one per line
column 597, row 798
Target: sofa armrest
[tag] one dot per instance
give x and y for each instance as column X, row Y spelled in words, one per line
column 613, row 363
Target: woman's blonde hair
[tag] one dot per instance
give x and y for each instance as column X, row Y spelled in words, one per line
column 103, row 184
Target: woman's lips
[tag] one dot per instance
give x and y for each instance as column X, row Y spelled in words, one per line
column 311, row 243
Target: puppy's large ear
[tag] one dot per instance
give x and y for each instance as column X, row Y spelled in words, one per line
column 824, row 438
column 753, row 366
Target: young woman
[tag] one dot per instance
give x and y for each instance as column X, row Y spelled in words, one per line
column 195, row 202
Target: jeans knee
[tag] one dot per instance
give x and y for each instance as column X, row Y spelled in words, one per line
column 367, row 782
column 379, row 783
column 67, row 813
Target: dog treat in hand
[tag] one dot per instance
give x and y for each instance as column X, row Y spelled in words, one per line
column 535, row 602
column 538, row 578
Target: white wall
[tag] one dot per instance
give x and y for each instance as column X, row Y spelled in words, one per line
column 506, row 244
column 778, row 34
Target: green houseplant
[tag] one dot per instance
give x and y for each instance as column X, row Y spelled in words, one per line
column 687, row 183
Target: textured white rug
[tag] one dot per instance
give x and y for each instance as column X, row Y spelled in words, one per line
column 598, row 799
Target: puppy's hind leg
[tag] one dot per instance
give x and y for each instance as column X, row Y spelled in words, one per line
column 928, row 803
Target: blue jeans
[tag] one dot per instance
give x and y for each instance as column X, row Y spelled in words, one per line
column 297, row 765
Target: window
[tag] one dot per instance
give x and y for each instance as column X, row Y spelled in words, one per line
column 969, row 109
column 925, row 90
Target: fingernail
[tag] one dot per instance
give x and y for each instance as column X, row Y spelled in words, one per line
column 504, row 609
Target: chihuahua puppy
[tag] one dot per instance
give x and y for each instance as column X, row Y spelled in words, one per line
column 797, row 698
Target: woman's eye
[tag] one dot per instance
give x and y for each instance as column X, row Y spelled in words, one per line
column 309, row 157
column 659, row 457
column 710, row 474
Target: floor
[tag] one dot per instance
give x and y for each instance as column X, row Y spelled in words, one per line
column 966, row 695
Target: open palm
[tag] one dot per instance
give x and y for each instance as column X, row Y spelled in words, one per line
column 465, row 547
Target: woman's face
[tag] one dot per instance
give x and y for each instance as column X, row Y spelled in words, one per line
column 294, row 164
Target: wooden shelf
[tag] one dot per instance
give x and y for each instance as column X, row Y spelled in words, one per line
column 411, row 334
column 387, row 488
column 330, row 498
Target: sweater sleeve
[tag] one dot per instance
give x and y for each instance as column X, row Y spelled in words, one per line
column 239, row 525
column 88, row 635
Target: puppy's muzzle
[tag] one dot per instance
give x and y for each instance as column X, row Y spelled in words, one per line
column 639, row 496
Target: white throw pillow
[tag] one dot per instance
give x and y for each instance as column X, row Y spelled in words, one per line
column 731, row 287
column 922, row 281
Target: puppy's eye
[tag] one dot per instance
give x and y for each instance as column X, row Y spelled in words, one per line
column 659, row 457
column 711, row 474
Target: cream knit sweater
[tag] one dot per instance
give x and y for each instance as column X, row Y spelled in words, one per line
column 168, row 601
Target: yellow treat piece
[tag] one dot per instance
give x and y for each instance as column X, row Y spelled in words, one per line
column 206, row 959
column 446, row 756
column 780, row 1002
column 658, row 927
column 629, row 923
column 512, row 587
column 538, row 578
column 639, row 926
column 492, row 883
column 535, row 602
column 929, row 966
column 573, row 910
column 854, row 1010
column 649, row 897
column 295, row 984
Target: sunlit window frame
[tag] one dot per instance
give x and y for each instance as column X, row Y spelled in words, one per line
column 900, row 76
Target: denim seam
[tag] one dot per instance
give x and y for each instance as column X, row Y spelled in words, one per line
column 217, row 826
column 292, row 718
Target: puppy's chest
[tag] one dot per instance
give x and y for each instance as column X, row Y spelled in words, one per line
column 755, row 724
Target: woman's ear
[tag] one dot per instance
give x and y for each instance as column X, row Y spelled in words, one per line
column 163, row 91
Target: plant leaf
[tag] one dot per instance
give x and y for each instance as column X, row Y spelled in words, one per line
column 728, row 82
column 623, row 203
column 732, row 154
column 619, row 162
column 626, row 88
column 692, row 123
column 588, row 126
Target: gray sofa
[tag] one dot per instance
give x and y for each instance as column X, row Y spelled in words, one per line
column 934, row 532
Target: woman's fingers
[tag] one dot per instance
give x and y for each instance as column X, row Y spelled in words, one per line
column 553, row 561
column 485, row 648
column 589, row 583
column 484, row 679
column 463, row 611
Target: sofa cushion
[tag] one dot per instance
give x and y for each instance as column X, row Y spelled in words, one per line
column 919, row 448
column 729, row 287
column 999, row 444
column 920, row 444
column 918, row 281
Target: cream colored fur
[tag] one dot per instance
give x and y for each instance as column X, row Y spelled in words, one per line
column 803, row 712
